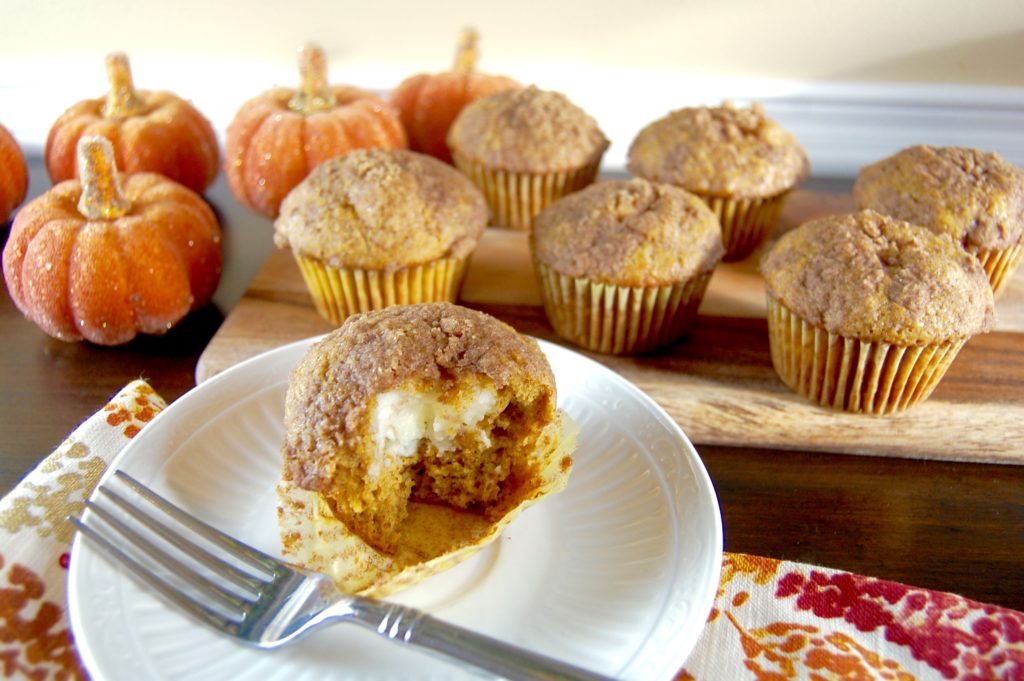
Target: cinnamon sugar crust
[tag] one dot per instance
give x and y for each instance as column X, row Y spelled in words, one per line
column 527, row 130
column 721, row 151
column 875, row 278
column 628, row 233
column 976, row 197
column 382, row 209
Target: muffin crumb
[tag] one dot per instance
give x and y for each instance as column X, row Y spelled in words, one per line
column 872, row 277
column 527, row 130
column 382, row 209
column 720, row 151
column 975, row 197
column 628, row 233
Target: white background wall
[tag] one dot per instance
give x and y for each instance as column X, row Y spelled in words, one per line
column 945, row 63
column 902, row 40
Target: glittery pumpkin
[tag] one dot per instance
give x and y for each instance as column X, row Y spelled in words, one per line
column 276, row 138
column 156, row 132
column 90, row 260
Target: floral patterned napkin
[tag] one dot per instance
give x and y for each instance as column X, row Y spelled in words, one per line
column 775, row 619
column 35, row 537
column 772, row 619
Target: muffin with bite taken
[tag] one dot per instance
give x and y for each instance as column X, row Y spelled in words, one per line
column 974, row 196
column 379, row 227
column 739, row 161
column 413, row 436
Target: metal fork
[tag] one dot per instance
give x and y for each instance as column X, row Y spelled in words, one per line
column 265, row 602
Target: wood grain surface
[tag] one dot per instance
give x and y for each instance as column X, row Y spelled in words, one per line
column 717, row 382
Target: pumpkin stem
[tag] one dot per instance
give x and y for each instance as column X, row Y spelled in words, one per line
column 466, row 52
column 314, row 93
column 102, row 197
column 122, row 100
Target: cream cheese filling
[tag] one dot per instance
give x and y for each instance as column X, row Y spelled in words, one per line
column 401, row 420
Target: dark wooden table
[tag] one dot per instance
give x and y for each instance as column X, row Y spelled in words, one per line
column 949, row 526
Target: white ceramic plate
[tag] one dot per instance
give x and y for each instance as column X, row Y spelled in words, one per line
column 617, row 573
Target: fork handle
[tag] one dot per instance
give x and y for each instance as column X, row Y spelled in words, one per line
column 403, row 624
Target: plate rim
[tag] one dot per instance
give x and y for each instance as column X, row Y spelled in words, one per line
column 702, row 480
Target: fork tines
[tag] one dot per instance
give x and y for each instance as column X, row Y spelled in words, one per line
column 191, row 564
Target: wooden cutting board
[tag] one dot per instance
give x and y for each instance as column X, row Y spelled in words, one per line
column 718, row 382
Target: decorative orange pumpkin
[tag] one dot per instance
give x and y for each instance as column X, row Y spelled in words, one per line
column 279, row 136
column 429, row 102
column 88, row 259
column 156, row 132
column 13, row 175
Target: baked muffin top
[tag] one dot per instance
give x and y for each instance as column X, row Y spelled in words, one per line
column 974, row 196
column 382, row 209
column 331, row 392
column 527, row 130
column 720, row 151
column 875, row 278
column 628, row 233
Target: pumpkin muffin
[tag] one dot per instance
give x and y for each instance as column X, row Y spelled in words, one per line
column 866, row 312
column 413, row 436
column 525, row 148
column 624, row 264
column 976, row 197
column 738, row 160
column 377, row 227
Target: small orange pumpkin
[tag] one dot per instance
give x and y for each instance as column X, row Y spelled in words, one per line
column 279, row 136
column 429, row 102
column 156, row 132
column 88, row 259
column 13, row 175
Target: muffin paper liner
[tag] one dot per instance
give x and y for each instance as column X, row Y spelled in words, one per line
column 515, row 198
column 1000, row 264
column 340, row 292
column 619, row 319
column 746, row 223
column 853, row 375
column 435, row 537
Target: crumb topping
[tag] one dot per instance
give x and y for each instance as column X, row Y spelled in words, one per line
column 382, row 209
column 868, row 276
column 527, row 130
column 720, row 151
column 628, row 233
column 976, row 197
